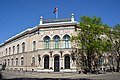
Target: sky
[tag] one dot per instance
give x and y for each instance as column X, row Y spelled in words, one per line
column 18, row 15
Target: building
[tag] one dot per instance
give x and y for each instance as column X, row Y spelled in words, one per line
column 44, row 48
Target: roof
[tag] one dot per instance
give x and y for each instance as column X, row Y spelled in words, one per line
column 57, row 20
column 45, row 24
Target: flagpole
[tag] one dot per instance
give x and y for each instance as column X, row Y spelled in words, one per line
column 57, row 13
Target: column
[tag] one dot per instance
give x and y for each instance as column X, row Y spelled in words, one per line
column 51, row 60
column 51, row 63
column 61, row 62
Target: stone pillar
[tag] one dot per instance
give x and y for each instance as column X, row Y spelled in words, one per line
column 41, row 20
column 61, row 62
column 39, row 60
column 71, row 63
column 61, row 43
column 40, row 64
column 61, row 59
column 51, row 62
column 51, row 44
column 72, row 18
column 51, row 59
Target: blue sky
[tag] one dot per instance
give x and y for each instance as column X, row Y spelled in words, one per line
column 18, row 15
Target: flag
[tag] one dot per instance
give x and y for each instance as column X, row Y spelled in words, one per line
column 55, row 10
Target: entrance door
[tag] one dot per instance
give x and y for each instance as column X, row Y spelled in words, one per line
column 56, row 64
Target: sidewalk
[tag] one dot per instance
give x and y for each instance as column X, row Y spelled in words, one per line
column 14, row 74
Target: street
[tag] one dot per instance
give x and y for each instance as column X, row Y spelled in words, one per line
column 15, row 74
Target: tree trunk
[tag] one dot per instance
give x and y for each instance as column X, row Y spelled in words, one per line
column 89, row 62
column 118, row 60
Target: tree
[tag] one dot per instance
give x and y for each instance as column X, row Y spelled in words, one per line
column 117, row 27
column 116, row 37
column 91, row 38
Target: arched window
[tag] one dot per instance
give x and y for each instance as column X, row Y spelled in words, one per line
column 9, row 50
column 16, row 61
column 12, row 62
column 67, row 62
column 47, row 42
column 56, row 41
column 46, row 62
column 8, row 62
column 5, row 62
column 23, row 47
column 13, row 49
column 33, row 61
column 56, row 63
column 34, row 45
column 18, row 48
column 101, row 61
column 6, row 51
column 66, row 40
column 22, row 61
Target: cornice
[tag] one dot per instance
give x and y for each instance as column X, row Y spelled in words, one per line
column 36, row 28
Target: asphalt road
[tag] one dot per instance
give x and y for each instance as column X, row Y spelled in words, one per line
column 57, row 76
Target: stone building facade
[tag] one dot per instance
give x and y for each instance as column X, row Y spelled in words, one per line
column 44, row 48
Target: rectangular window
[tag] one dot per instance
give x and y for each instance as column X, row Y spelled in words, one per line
column 22, row 63
column 57, row 44
column 66, row 44
column 47, row 45
column 16, row 61
column 12, row 62
column 13, row 49
column 18, row 48
column 6, row 51
column 9, row 50
column 8, row 62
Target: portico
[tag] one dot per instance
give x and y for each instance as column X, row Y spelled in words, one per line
column 57, row 61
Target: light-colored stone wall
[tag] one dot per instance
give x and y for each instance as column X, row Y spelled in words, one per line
column 38, row 37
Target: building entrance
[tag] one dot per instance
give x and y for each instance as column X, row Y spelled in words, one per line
column 56, row 64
